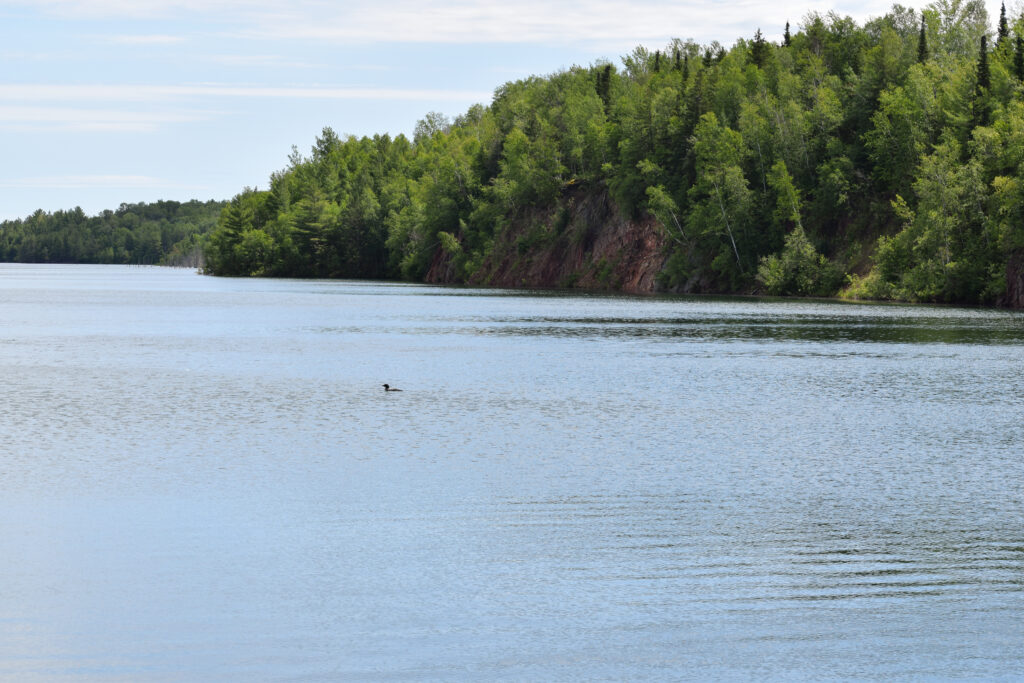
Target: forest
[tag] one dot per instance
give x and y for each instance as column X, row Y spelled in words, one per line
column 158, row 233
column 878, row 161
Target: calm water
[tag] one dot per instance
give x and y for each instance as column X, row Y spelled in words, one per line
column 202, row 479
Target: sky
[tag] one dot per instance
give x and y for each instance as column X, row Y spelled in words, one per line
column 111, row 101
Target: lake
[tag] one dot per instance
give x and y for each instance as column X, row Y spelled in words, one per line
column 203, row 479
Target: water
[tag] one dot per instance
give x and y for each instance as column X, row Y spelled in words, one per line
column 203, row 479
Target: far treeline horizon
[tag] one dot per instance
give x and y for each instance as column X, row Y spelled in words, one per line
column 874, row 161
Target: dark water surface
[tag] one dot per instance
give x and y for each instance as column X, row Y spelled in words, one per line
column 202, row 479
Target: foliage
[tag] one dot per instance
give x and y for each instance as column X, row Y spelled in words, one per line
column 163, row 232
column 799, row 270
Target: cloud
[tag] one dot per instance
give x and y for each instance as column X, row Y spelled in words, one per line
column 601, row 22
column 150, row 108
column 27, row 118
column 147, row 39
column 619, row 23
column 141, row 9
column 84, row 181
column 263, row 61
column 151, row 93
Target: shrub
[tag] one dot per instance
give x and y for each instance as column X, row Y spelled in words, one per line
column 798, row 269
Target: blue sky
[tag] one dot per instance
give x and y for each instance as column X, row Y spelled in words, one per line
column 110, row 101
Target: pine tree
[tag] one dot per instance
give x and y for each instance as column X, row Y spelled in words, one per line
column 785, row 35
column 603, row 86
column 1018, row 59
column 686, row 69
column 922, row 44
column 678, row 61
column 758, row 49
column 984, row 77
column 657, row 61
column 982, row 86
column 1004, row 30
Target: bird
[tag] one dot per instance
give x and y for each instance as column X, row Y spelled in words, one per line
column 388, row 387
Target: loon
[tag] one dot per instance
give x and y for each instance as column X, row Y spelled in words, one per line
column 388, row 387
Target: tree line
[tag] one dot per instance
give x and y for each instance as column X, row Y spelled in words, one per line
column 163, row 232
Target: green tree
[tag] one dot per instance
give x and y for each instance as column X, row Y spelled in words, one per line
column 758, row 49
column 1018, row 58
column 1004, row 28
column 902, row 130
column 922, row 43
column 603, row 86
column 665, row 209
column 799, row 270
column 721, row 199
column 787, row 203
column 983, row 81
column 939, row 255
column 957, row 26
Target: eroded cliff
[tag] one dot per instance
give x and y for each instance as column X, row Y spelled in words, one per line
column 582, row 242
column 1014, row 297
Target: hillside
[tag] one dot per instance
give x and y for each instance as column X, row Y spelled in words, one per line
column 163, row 232
column 875, row 161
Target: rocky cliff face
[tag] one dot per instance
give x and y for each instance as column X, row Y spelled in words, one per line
column 583, row 242
column 1014, row 297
